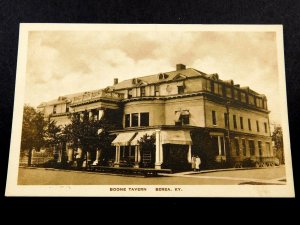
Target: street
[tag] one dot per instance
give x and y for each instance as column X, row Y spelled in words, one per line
column 41, row 176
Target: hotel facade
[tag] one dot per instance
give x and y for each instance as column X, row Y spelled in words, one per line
column 187, row 111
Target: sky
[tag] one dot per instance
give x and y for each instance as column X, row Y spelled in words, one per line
column 66, row 62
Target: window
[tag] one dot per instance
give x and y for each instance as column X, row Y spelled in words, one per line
column 185, row 119
column 131, row 153
column 214, row 119
column 67, row 108
column 251, row 147
column 228, row 92
column 156, row 90
column 264, row 103
column 162, row 76
column 266, row 127
column 134, row 119
column 54, row 109
column 244, row 147
column 182, row 118
column 127, row 120
column 251, row 99
column 237, row 146
column 226, row 120
column 130, row 93
column 144, row 119
column 259, row 102
column 236, row 94
column 218, row 89
column 94, row 115
column 212, row 87
column 242, row 123
column 143, row 91
column 180, row 89
column 268, row 149
column 234, row 122
column 257, row 126
column 208, row 85
column 260, row 148
column 243, row 97
column 249, row 124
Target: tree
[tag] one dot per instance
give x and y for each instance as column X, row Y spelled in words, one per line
column 33, row 131
column 147, row 144
column 54, row 136
column 277, row 137
column 88, row 134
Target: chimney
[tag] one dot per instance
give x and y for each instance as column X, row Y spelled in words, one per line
column 116, row 81
column 180, row 67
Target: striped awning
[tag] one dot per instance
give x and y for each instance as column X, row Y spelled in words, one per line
column 123, row 139
column 180, row 137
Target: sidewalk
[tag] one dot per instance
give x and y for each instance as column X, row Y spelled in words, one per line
column 242, row 179
column 227, row 169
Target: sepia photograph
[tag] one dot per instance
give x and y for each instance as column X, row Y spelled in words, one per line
column 150, row 110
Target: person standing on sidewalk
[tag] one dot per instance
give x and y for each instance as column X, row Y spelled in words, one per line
column 193, row 163
column 198, row 163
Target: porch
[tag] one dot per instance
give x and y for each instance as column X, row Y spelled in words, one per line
column 171, row 148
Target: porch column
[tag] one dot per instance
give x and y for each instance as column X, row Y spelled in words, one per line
column 98, row 155
column 224, row 143
column 219, row 145
column 89, row 156
column 138, row 153
column 136, row 157
column 189, row 157
column 117, row 159
column 59, row 153
column 90, row 114
column 70, row 153
column 158, row 150
column 79, row 151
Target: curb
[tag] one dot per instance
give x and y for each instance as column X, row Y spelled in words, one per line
column 183, row 173
column 81, row 171
column 228, row 169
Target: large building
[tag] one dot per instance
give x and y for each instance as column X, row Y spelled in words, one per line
column 189, row 113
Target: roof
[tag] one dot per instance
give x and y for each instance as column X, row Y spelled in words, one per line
column 65, row 98
column 152, row 79
column 147, row 80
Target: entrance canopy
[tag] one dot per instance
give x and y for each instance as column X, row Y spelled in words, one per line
column 139, row 136
column 124, row 139
column 180, row 137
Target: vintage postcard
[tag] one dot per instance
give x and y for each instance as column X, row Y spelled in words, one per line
column 150, row 110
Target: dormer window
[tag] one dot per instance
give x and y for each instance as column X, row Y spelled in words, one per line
column 162, row 76
column 130, row 93
column 136, row 81
column 143, row 91
column 156, row 91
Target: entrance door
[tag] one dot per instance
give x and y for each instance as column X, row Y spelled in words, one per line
column 175, row 157
column 215, row 146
